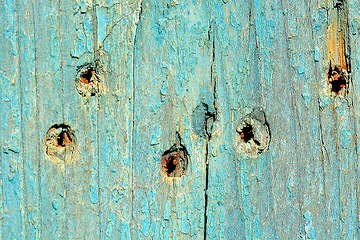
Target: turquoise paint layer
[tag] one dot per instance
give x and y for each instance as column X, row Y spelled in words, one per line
column 159, row 62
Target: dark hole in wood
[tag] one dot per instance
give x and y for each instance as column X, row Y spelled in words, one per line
column 338, row 85
column 336, row 79
column 174, row 161
column 87, row 79
column 339, row 4
column 60, row 141
column 61, row 134
column 246, row 133
column 87, row 75
column 170, row 165
column 254, row 134
column 64, row 138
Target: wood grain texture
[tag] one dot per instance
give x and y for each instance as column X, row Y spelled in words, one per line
column 31, row 142
column 50, row 112
column 170, row 79
column 12, row 216
column 179, row 75
column 116, row 31
column 78, row 46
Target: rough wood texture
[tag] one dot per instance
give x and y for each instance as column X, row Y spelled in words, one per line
column 246, row 93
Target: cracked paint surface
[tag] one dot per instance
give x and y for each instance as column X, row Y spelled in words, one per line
column 193, row 68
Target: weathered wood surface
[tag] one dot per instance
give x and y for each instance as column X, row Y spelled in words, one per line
column 189, row 75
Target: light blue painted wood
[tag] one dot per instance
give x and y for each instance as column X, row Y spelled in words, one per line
column 167, row 71
column 12, row 215
column 305, row 74
column 82, row 174
column 339, row 143
column 31, row 137
column 226, row 206
column 171, row 78
column 116, row 31
column 50, row 111
column 327, row 126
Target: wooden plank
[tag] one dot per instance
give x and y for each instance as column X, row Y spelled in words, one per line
column 50, row 112
column 228, row 206
column 209, row 84
column 270, row 184
column 353, row 22
column 352, row 187
column 30, row 151
column 12, row 214
column 338, row 127
column 172, row 63
column 278, row 98
column 81, row 112
column 116, row 30
column 305, row 81
column 327, row 126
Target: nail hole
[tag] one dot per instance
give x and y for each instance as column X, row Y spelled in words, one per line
column 59, row 138
column 338, row 79
column 246, row 133
column 254, row 134
column 87, row 80
column 175, row 161
column 171, row 163
column 86, row 76
column 64, row 138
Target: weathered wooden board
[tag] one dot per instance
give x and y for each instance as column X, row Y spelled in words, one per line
column 12, row 213
column 149, row 119
column 171, row 79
